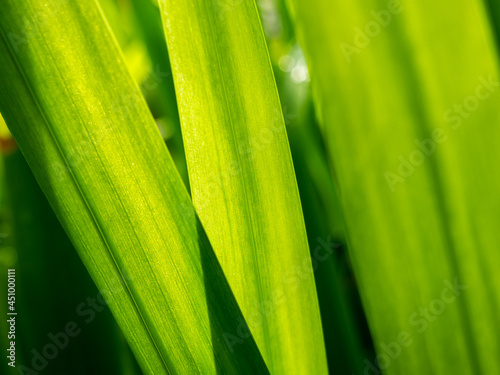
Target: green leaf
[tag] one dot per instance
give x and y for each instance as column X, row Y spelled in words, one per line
column 241, row 174
column 420, row 217
column 44, row 258
column 160, row 81
column 94, row 148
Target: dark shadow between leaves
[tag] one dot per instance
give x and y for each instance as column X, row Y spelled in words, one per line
column 234, row 352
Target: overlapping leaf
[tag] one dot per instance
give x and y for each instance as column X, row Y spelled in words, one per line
column 87, row 134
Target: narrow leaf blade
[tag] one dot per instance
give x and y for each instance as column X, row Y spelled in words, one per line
column 241, row 174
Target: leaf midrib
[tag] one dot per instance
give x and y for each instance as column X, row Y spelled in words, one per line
column 80, row 191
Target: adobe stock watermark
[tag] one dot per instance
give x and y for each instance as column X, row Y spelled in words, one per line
column 454, row 116
column 421, row 320
column 254, row 144
column 292, row 279
column 31, row 28
column 103, row 128
column 363, row 36
column 461, row 111
column 57, row 342
column 416, row 158
column 224, row 6
column 154, row 78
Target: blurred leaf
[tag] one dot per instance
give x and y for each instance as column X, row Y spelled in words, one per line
column 337, row 293
column 343, row 321
column 493, row 10
column 418, row 181
column 242, row 179
column 94, row 148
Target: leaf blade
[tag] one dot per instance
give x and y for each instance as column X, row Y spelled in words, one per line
column 407, row 244
column 241, row 174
